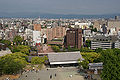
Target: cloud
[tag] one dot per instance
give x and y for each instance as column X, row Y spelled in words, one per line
column 61, row 6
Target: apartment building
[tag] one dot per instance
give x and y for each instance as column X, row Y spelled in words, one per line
column 74, row 37
column 55, row 32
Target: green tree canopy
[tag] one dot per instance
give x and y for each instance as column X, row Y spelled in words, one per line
column 38, row 60
column 17, row 40
column 72, row 49
column 91, row 26
column 84, row 64
column 85, row 49
column 90, row 56
column 56, row 48
column 88, row 43
column 12, row 63
column 98, row 50
column 21, row 48
column 111, row 64
column 6, row 42
column 94, row 29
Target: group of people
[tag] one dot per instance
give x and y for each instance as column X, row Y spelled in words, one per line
column 51, row 76
column 88, row 76
column 7, row 79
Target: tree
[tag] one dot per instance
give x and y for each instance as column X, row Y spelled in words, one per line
column 35, row 60
column 91, row 56
column 6, row 42
column 55, row 48
column 95, row 30
column 73, row 49
column 88, row 43
column 21, row 48
column 69, row 48
column 111, row 65
column 17, row 40
column 20, row 55
column 38, row 60
column 91, row 26
column 12, row 63
column 84, row 64
column 85, row 49
column 98, row 50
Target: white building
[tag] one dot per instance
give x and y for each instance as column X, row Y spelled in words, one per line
column 28, row 34
column 86, row 32
column 104, row 42
column 117, row 44
column 113, row 31
column 101, row 44
column 36, row 37
column 82, row 25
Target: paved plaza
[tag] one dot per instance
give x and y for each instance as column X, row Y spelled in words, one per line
column 54, row 73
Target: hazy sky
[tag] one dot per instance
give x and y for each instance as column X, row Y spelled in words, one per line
column 61, row 6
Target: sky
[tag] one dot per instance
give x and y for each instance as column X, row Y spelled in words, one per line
column 61, row 6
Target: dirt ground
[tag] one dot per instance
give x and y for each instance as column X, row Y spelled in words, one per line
column 9, row 76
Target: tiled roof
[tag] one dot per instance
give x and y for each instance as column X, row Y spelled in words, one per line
column 64, row 56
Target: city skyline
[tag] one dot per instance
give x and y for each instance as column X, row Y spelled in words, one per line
column 59, row 40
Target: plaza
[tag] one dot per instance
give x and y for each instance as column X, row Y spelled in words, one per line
column 52, row 74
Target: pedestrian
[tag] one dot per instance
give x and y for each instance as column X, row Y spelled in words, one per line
column 36, row 71
column 33, row 68
column 70, row 76
column 91, row 77
column 26, row 75
column 50, row 76
column 7, row 79
column 55, row 74
column 88, row 76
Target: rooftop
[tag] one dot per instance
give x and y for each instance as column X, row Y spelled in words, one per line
column 64, row 56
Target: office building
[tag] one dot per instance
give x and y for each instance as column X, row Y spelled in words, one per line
column 104, row 42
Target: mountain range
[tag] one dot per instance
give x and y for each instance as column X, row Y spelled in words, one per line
column 54, row 16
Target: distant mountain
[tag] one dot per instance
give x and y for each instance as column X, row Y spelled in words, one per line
column 56, row 16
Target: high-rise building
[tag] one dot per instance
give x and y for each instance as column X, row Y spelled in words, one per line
column 74, row 37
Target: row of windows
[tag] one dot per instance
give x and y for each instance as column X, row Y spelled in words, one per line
column 100, row 42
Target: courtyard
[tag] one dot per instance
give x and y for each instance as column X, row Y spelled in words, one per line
column 52, row 74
